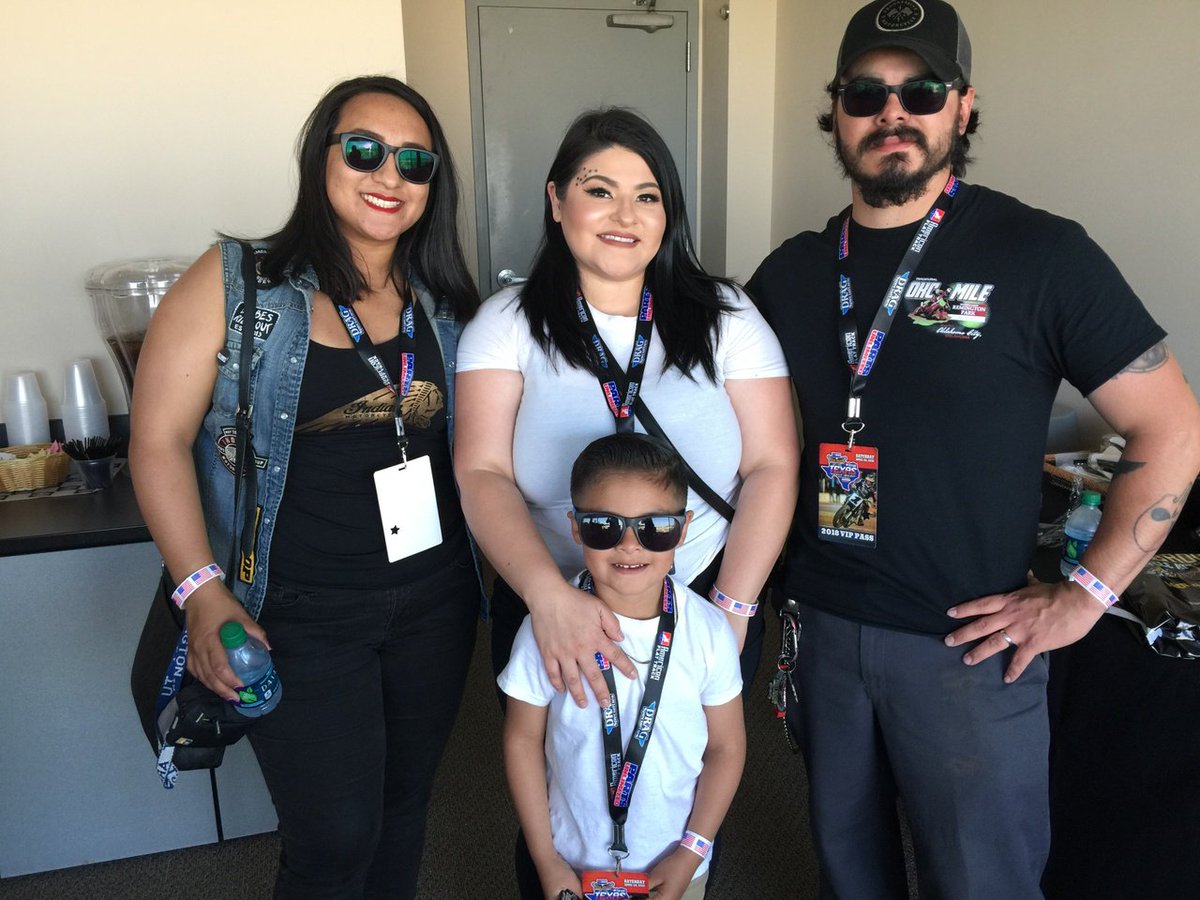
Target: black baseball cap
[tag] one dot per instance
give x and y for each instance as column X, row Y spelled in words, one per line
column 931, row 29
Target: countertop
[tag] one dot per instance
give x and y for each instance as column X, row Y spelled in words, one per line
column 101, row 519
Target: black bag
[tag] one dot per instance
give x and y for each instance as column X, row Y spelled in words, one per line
column 188, row 726
column 195, row 722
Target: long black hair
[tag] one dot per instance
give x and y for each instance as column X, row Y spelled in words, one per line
column 687, row 300
column 430, row 249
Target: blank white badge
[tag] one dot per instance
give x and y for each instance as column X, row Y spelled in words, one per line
column 408, row 508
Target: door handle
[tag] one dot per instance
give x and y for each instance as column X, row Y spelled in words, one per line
column 507, row 278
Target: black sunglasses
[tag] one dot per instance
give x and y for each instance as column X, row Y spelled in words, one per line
column 603, row 531
column 366, row 154
column 920, row 97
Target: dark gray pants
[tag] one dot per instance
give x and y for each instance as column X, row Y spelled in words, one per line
column 887, row 714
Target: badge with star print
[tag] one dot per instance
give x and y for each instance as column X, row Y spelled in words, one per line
column 408, row 508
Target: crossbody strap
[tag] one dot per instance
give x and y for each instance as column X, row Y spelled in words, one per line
column 695, row 482
column 245, row 465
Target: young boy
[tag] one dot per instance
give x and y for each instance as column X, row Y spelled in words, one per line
column 682, row 750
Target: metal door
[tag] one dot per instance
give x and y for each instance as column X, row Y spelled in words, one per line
column 535, row 65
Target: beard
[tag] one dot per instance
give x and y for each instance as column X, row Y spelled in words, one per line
column 895, row 185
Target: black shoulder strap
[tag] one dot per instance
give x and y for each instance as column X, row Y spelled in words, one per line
column 246, row 470
column 695, row 482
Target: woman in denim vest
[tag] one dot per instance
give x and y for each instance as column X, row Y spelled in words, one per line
column 370, row 615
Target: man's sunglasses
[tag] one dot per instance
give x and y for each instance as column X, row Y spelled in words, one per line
column 921, row 97
column 603, row 531
column 366, row 154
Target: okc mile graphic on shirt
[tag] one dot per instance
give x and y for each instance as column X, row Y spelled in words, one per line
column 421, row 404
column 959, row 309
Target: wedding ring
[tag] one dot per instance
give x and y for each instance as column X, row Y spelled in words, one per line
column 1009, row 640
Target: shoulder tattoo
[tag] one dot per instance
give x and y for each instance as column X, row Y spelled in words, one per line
column 1154, row 358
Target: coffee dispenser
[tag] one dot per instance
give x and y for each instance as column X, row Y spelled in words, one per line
column 124, row 296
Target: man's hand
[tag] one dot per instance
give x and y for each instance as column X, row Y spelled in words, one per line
column 1035, row 618
column 572, row 627
column 671, row 877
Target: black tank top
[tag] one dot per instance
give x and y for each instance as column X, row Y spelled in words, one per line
column 328, row 532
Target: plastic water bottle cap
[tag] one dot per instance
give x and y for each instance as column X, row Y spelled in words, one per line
column 1090, row 498
column 233, row 635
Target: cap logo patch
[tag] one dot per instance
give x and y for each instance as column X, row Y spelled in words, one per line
column 900, row 15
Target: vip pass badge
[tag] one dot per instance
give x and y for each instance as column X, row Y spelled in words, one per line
column 848, row 498
column 611, row 885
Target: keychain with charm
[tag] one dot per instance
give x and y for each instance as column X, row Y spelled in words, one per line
column 407, row 501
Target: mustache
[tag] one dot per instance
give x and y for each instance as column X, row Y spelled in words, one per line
column 903, row 132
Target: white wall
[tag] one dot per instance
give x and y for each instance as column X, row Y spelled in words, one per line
column 1079, row 116
column 135, row 129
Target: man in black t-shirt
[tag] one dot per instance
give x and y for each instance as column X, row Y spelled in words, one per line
column 928, row 328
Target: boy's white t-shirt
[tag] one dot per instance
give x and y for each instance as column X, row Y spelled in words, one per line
column 703, row 670
column 563, row 410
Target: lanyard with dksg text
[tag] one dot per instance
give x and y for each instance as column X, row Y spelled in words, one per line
column 369, row 354
column 623, row 767
column 863, row 362
column 620, row 387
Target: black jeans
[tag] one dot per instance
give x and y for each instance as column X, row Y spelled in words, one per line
column 371, row 684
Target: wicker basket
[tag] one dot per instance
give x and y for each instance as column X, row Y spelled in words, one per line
column 29, row 471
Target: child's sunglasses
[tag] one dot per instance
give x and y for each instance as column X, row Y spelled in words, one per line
column 603, row 531
column 920, row 97
column 366, row 154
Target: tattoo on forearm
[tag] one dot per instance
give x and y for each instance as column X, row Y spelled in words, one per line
column 1148, row 530
column 1125, row 466
column 1154, row 358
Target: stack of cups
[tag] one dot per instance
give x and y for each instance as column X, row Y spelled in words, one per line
column 84, row 414
column 25, row 411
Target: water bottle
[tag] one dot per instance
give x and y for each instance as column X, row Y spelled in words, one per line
column 251, row 662
column 1080, row 529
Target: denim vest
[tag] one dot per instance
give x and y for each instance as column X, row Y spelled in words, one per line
column 281, row 334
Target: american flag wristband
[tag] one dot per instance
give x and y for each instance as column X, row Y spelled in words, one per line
column 727, row 603
column 193, row 581
column 698, row 845
column 1093, row 586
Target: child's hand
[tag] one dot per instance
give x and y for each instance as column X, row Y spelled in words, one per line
column 556, row 876
column 671, row 877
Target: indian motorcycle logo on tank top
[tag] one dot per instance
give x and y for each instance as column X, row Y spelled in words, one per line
column 421, row 404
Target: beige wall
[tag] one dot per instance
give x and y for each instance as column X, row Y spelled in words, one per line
column 1078, row 117
column 137, row 128
column 435, row 51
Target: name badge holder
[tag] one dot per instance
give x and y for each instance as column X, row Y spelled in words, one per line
column 407, row 500
column 620, row 387
column 623, row 767
column 848, row 510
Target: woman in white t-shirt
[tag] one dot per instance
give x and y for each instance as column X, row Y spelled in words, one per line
column 616, row 288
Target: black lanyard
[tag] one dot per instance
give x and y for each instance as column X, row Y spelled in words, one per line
column 369, row 354
column 623, row 768
column 620, row 387
column 863, row 362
